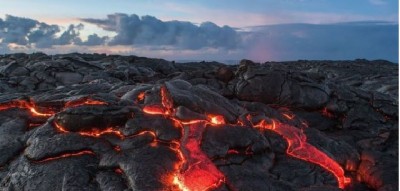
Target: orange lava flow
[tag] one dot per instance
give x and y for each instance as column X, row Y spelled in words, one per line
column 299, row 148
column 198, row 172
column 23, row 104
column 155, row 110
column 66, row 155
column 84, row 101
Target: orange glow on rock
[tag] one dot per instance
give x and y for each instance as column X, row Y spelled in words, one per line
column 141, row 96
column 118, row 171
column 155, row 110
column 288, row 116
column 33, row 125
column 66, row 155
column 326, row 113
column 232, row 151
column 60, row 128
column 216, row 119
column 166, row 100
column 84, row 101
column 117, row 148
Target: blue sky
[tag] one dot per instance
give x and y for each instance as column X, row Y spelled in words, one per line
column 240, row 16
column 267, row 11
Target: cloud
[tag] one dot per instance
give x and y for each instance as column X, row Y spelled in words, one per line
column 17, row 30
column 177, row 40
column 148, row 30
column 94, row 40
column 32, row 33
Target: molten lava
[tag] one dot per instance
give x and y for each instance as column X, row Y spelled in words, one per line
column 299, row 148
column 198, row 172
column 155, row 110
column 29, row 105
column 216, row 119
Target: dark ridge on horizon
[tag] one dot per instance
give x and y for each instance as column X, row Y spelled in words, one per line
column 226, row 62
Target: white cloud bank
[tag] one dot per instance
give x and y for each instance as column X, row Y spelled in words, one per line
column 176, row 40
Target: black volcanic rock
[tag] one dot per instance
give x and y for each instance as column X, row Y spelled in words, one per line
column 86, row 118
column 99, row 122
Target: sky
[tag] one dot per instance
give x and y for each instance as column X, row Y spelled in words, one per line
column 261, row 30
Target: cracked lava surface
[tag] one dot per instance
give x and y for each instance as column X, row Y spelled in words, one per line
column 175, row 135
column 196, row 171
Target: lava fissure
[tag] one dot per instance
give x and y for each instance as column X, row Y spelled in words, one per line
column 67, row 155
column 299, row 148
column 29, row 105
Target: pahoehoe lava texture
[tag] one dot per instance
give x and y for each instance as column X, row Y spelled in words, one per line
column 98, row 122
